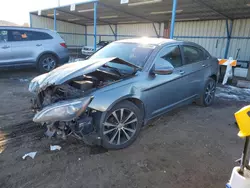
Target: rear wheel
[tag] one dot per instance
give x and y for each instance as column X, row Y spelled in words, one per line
column 47, row 63
column 121, row 125
column 207, row 97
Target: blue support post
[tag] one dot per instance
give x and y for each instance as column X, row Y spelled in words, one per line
column 86, row 36
column 160, row 30
column 30, row 21
column 115, row 31
column 229, row 32
column 95, row 18
column 173, row 19
column 55, row 19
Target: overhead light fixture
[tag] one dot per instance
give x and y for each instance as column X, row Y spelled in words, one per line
column 188, row 19
column 127, row 22
column 52, row 14
column 165, row 12
column 73, row 19
column 144, row 2
column 86, row 10
column 107, row 17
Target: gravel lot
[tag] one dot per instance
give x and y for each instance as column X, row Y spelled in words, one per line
column 189, row 147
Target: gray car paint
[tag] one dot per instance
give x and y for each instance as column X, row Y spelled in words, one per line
column 157, row 93
column 18, row 53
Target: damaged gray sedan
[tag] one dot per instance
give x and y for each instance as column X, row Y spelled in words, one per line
column 106, row 99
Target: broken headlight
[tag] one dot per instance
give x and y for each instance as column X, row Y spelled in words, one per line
column 34, row 84
column 63, row 111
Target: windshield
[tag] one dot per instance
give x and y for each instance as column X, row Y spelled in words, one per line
column 133, row 53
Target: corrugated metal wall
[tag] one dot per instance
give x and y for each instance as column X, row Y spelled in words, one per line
column 146, row 29
column 240, row 42
column 213, row 36
column 101, row 30
column 130, row 30
column 65, row 29
column 209, row 34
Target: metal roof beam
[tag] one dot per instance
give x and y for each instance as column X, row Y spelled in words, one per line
column 211, row 8
column 119, row 10
column 85, row 17
column 59, row 20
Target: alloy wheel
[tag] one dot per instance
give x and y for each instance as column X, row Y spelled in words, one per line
column 210, row 91
column 120, row 126
column 48, row 64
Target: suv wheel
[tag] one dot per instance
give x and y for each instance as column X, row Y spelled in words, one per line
column 47, row 63
column 207, row 97
column 121, row 126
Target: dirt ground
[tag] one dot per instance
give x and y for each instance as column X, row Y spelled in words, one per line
column 189, row 147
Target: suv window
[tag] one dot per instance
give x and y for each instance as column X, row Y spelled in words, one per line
column 169, row 56
column 192, row 54
column 22, row 35
column 3, row 36
column 40, row 35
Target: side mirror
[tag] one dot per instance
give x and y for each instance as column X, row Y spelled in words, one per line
column 162, row 70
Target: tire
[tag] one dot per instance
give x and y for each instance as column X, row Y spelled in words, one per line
column 128, row 132
column 208, row 93
column 46, row 63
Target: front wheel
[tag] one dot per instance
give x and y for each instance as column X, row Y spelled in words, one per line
column 121, row 125
column 207, row 97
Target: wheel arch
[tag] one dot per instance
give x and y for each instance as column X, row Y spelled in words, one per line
column 214, row 76
column 47, row 53
column 134, row 100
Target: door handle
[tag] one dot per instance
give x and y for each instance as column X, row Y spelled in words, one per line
column 182, row 72
column 5, row 47
column 39, row 45
column 204, row 65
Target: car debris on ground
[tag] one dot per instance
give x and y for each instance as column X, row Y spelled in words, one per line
column 31, row 154
column 55, row 147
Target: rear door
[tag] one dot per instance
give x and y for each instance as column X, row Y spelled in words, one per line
column 5, row 48
column 196, row 68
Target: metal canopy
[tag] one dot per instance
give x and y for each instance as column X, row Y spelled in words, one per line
column 112, row 12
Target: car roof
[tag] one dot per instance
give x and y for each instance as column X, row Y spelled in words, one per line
column 24, row 28
column 148, row 40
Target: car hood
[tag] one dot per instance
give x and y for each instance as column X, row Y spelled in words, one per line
column 72, row 70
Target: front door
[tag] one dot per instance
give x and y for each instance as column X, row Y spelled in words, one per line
column 164, row 92
column 5, row 48
column 22, row 46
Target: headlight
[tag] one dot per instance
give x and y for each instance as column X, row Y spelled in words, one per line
column 63, row 111
column 34, row 84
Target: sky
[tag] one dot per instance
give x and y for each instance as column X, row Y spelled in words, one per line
column 17, row 11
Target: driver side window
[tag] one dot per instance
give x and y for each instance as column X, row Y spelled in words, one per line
column 169, row 57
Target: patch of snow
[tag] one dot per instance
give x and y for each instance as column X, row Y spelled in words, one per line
column 233, row 93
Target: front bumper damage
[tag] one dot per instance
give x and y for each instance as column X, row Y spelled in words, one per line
column 79, row 123
column 82, row 129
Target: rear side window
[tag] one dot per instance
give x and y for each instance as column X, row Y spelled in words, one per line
column 192, row 54
column 40, row 35
column 22, row 35
column 3, row 36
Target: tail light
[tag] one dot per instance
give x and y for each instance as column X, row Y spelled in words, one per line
column 63, row 45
